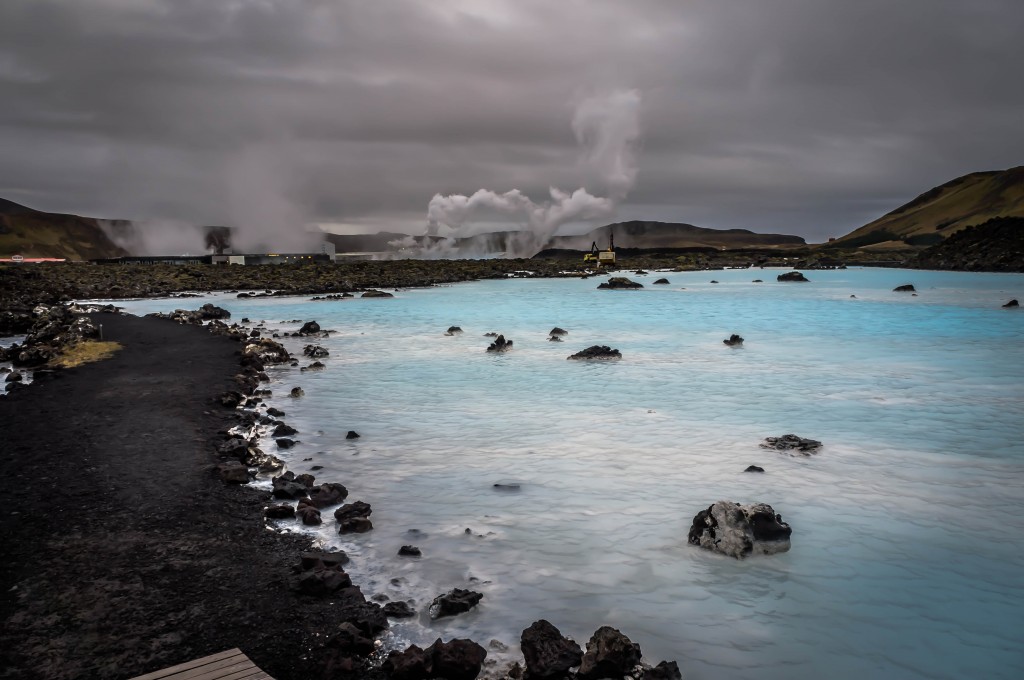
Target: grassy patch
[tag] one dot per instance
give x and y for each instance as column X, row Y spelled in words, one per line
column 84, row 353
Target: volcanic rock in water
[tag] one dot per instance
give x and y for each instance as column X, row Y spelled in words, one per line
column 757, row 281
column 352, row 434
column 547, row 652
column 455, row 601
column 906, row 288
column 620, row 283
column 733, row 341
column 500, row 344
column 315, row 352
column 14, row 377
column 284, row 430
column 740, row 530
column 209, row 311
column 288, row 487
column 792, row 276
column 1011, row 303
column 555, row 338
column 376, row 294
column 610, row 654
column 666, row 670
column 308, row 513
column 268, row 351
column 558, row 331
column 310, row 328
column 754, row 468
column 454, row 660
column 413, row 663
column 399, row 610
column 354, row 518
column 453, row 330
column 661, row 282
column 296, row 392
column 791, row 442
column 713, row 281
column 285, row 443
column 330, row 493
column 490, row 335
column 409, row 551
column 597, row 352
column 457, row 659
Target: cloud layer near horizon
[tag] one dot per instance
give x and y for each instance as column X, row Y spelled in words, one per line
column 796, row 116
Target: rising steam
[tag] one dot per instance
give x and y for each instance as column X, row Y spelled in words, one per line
column 607, row 128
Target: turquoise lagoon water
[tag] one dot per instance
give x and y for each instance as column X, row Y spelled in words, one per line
column 907, row 556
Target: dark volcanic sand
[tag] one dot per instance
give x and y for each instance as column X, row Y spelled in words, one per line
column 122, row 552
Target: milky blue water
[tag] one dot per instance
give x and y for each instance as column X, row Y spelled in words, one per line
column 907, row 556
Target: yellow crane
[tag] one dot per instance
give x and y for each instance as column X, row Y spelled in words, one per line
column 601, row 257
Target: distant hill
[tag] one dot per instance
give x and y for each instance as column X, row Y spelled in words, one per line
column 996, row 245
column 638, row 234
column 943, row 211
column 33, row 233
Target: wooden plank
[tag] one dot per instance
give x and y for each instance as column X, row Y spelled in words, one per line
column 181, row 667
column 228, row 665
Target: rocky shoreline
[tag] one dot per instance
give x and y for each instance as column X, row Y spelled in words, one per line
column 336, row 638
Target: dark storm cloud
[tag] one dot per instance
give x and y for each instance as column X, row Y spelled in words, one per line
column 801, row 116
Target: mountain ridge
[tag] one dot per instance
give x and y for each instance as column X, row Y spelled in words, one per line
column 940, row 212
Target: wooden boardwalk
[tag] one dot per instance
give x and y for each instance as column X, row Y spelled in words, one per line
column 229, row 665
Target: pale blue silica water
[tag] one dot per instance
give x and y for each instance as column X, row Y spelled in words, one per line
column 907, row 556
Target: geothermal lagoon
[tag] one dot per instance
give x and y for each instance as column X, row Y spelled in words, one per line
column 906, row 557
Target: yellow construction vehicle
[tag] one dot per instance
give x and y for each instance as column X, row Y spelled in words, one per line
column 601, row 257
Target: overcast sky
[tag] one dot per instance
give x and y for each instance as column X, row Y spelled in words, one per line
column 809, row 117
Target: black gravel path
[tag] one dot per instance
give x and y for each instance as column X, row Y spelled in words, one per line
column 122, row 553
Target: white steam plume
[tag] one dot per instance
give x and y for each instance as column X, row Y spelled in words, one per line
column 607, row 128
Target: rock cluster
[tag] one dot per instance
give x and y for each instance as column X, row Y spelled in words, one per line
column 53, row 328
column 740, row 530
column 454, row 660
column 596, row 353
column 792, row 443
column 549, row 655
column 500, row 344
column 733, row 340
column 354, row 518
column 792, row 276
column 620, row 283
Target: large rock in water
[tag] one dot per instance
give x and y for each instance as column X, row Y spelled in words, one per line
column 620, row 283
column 792, row 276
column 610, row 654
column 740, row 530
column 547, row 652
column 791, row 442
column 597, row 352
column 455, row 601
column 454, row 660
column 500, row 344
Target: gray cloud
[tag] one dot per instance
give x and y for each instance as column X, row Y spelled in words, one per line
column 801, row 116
